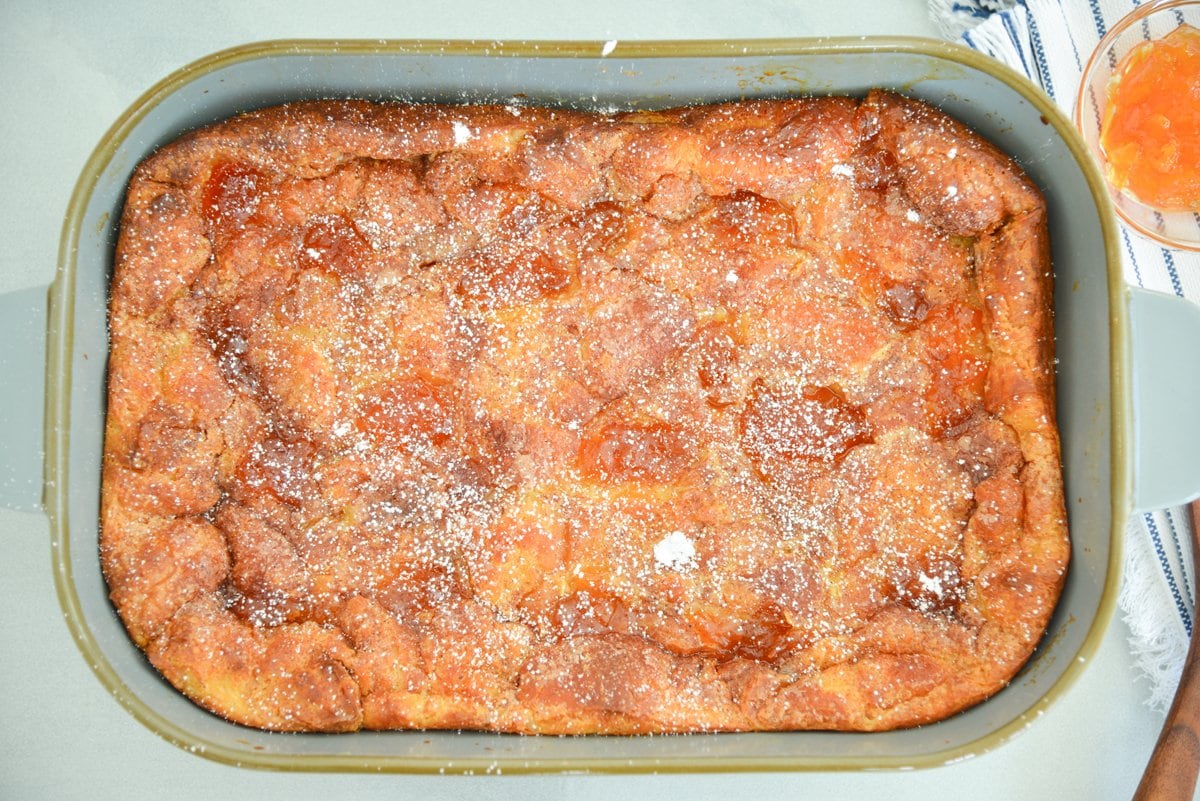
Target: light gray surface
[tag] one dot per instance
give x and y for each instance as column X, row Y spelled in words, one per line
column 68, row 73
column 23, row 365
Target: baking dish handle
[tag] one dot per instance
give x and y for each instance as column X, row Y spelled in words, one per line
column 23, row 376
column 1165, row 359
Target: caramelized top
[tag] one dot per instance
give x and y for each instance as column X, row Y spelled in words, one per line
column 541, row 394
column 701, row 376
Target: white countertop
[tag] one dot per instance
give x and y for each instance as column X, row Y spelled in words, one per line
column 68, row 73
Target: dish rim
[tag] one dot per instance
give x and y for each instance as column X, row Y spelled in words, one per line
column 59, row 362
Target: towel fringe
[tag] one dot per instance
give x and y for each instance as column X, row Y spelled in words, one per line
column 1158, row 641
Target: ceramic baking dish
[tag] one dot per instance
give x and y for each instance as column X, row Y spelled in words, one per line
column 1096, row 347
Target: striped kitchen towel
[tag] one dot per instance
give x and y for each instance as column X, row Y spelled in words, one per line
column 1050, row 41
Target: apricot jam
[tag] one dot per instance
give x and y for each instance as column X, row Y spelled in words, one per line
column 1151, row 127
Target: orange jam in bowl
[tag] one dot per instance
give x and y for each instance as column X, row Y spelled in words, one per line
column 1150, row 133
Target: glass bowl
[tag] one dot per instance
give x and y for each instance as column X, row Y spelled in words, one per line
column 1174, row 229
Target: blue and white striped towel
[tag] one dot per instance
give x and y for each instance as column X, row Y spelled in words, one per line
column 1050, row 41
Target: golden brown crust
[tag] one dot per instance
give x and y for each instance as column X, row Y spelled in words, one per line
column 722, row 418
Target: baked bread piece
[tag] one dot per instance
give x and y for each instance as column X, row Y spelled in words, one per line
column 736, row 417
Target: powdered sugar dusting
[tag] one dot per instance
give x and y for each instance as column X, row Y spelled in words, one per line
column 462, row 133
column 931, row 584
column 676, row 551
column 625, row 412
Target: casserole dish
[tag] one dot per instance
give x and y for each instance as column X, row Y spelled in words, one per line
column 1096, row 406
